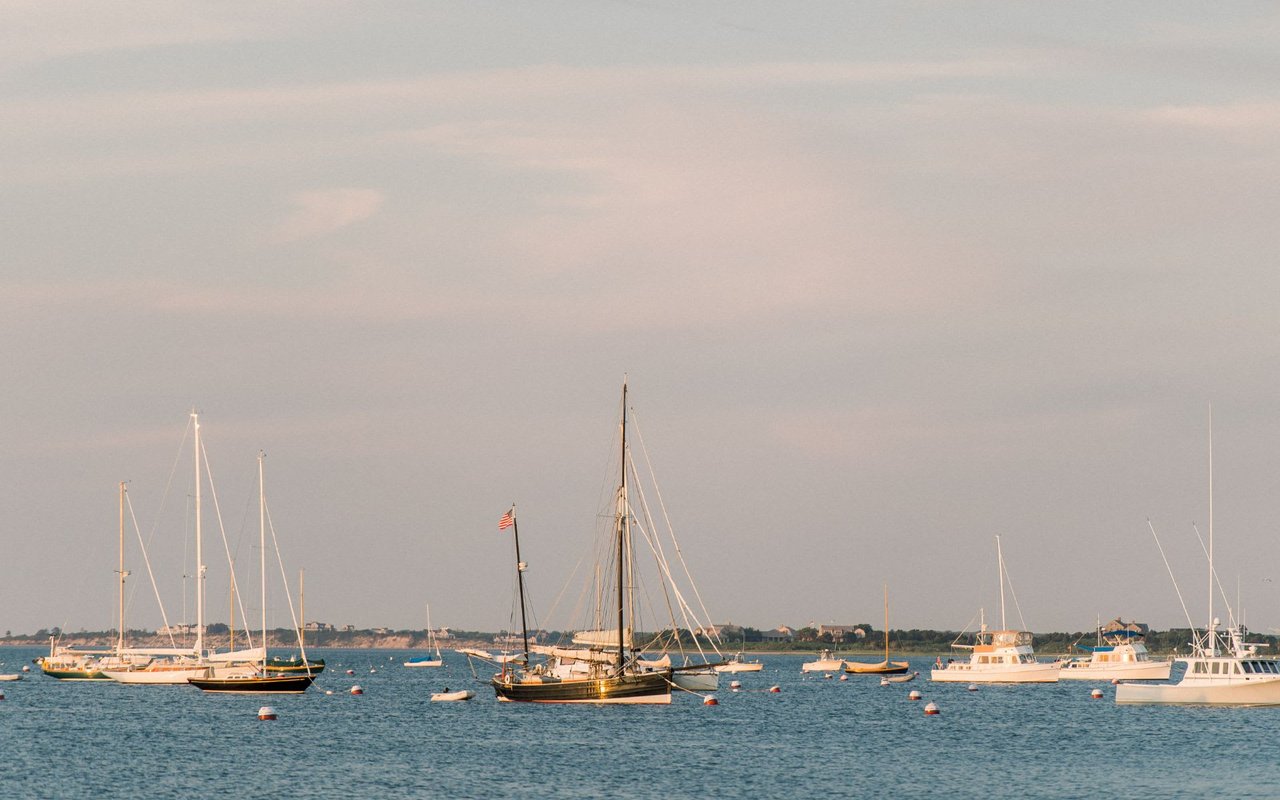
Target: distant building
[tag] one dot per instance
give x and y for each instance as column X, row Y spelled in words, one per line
column 348, row 628
column 841, row 632
column 782, row 633
column 725, row 630
column 178, row 629
column 317, row 627
column 382, row 631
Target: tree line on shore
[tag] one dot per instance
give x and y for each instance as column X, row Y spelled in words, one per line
column 915, row 640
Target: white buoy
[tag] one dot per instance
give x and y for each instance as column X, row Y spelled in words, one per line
column 735, row 685
column 328, row 691
column 266, row 712
column 914, row 694
column 351, row 672
column 931, row 709
column 356, row 689
column 844, row 677
column 973, row 687
column 1096, row 694
column 775, row 689
column 25, row 668
column 710, row 700
column 372, row 670
column 884, row 681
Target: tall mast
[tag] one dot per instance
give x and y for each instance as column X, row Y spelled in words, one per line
column 1213, row 634
column 200, row 572
column 520, row 567
column 122, row 573
column 302, row 615
column 1000, row 559
column 262, row 557
column 623, row 530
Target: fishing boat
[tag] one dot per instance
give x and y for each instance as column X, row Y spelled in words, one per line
column 1119, row 655
column 825, row 662
column 1223, row 668
column 433, row 660
column 251, row 680
column 885, row 667
column 737, row 663
column 603, row 665
column 1003, row 656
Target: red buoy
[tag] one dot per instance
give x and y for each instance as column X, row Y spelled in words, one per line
column 1096, row 694
column 266, row 712
column 356, row 689
column 351, row 672
column 931, row 709
column 914, row 694
column 710, row 700
column 775, row 689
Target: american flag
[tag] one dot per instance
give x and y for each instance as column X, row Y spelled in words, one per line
column 508, row 519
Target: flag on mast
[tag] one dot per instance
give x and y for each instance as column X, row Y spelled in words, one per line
column 508, row 519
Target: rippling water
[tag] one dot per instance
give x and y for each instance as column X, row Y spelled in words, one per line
column 817, row 737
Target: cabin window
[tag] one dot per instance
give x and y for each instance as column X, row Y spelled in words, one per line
column 1216, row 667
column 1248, row 667
column 1200, row 667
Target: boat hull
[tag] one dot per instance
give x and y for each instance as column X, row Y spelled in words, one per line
column 740, row 666
column 882, row 668
column 649, row 687
column 295, row 666
column 825, row 665
column 157, row 677
column 1202, row 693
column 269, row 684
column 1139, row 671
column 701, row 681
column 429, row 662
column 1002, row 673
column 75, row 674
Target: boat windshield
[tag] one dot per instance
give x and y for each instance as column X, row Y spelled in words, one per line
column 1009, row 638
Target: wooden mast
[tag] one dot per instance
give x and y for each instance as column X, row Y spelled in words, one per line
column 262, row 557
column 520, row 566
column 886, row 623
column 622, row 530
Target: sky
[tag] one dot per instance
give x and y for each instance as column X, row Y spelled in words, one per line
column 887, row 281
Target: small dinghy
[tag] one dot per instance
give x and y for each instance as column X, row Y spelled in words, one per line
column 448, row 697
column 11, row 676
column 910, row 676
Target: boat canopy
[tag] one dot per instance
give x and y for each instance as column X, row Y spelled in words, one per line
column 252, row 654
column 574, row 654
column 993, row 639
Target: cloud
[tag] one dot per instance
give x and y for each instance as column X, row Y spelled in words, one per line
column 320, row 212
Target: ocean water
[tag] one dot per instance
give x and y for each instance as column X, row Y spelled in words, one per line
column 817, row 737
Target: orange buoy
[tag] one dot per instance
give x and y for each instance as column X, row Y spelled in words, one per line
column 775, row 689
column 1096, row 694
column 266, row 712
column 710, row 700
column 914, row 694
column 931, row 709
column 356, row 689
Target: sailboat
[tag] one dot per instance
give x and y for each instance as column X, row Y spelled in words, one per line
column 249, row 680
column 428, row 660
column 299, row 662
column 88, row 665
column 605, row 668
column 182, row 664
column 1223, row 669
column 885, row 667
column 1003, row 656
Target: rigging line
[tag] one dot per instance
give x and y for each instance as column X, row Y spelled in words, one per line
column 1231, row 616
column 226, row 547
column 284, row 581
column 644, row 451
column 1160, row 547
column 147, row 560
column 1015, row 600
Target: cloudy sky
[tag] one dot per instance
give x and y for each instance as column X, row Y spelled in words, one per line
column 888, row 280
